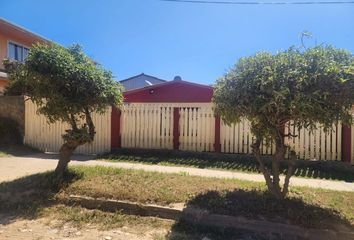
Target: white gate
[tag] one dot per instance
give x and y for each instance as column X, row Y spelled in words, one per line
column 147, row 126
column 197, row 128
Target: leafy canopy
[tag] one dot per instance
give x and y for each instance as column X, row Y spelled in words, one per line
column 66, row 85
column 63, row 82
column 314, row 85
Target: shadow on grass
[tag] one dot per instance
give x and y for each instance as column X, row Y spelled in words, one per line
column 25, row 197
column 254, row 205
column 262, row 205
column 332, row 170
column 183, row 230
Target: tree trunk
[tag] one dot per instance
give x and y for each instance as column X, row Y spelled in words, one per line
column 272, row 176
column 279, row 156
column 68, row 148
column 65, row 153
column 262, row 167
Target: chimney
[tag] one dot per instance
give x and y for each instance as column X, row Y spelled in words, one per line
column 177, row 78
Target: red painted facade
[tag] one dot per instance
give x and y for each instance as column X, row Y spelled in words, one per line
column 115, row 128
column 174, row 91
column 217, row 144
column 176, row 128
column 346, row 143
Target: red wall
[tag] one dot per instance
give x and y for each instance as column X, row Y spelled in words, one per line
column 174, row 91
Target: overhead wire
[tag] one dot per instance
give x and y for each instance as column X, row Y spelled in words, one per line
column 261, row 2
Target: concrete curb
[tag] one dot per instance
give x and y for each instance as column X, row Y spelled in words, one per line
column 127, row 207
column 203, row 217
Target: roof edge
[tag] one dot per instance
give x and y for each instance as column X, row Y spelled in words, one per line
column 20, row 28
column 142, row 74
column 167, row 83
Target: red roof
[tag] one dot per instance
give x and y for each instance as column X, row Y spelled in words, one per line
column 176, row 91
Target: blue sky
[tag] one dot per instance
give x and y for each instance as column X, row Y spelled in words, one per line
column 164, row 39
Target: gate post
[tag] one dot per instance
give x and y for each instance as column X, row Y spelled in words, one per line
column 115, row 128
column 175, row 128
column 346, row 143
column 217, row 144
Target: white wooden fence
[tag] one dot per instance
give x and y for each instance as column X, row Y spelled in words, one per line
column 315, row 144
column 150, row 126
column 197, row 128
column 47, row 137
column 147, row 126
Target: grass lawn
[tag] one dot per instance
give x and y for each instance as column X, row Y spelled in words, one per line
column 103, row 220
column 3, row 154
column 306, row 207
column 332, row 170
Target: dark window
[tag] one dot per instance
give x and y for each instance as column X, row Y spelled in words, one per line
column 25, row 53
column 12, row 51
column 17, row 52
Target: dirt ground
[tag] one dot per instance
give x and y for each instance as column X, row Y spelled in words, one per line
column 45, row 228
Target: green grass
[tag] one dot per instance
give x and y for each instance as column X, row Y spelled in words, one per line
column 80, row 217
column 305, row 206
column 332, row 170
column 147, row 187
column 3, row 154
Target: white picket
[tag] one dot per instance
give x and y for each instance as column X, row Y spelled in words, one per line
column 317, row 144
column 45, row 136
column 151, row 126
column 146, row 126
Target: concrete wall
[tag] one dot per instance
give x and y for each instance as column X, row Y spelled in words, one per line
column 14, row 107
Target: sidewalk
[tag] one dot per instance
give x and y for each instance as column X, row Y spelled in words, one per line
column 14, row 167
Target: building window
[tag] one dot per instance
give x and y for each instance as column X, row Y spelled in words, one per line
column 17, row 52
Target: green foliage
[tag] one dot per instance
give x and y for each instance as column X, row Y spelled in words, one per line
column 66, row 85
column 63, row 81
column 315, row 85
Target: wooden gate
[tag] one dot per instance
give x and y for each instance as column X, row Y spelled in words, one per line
column 147, row 126
column 197, row 128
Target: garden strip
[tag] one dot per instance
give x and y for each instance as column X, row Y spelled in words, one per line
column 305, row 207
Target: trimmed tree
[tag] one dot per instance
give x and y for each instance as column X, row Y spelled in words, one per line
column 67, row 86
column 305, row 87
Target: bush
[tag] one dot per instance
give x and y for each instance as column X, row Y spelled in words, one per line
column 9, row 132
